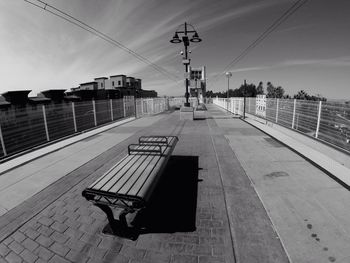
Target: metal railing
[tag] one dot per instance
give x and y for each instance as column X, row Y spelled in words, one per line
column 326, row 121
column 22, row 128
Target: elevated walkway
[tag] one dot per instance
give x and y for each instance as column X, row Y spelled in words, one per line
column 244, row 197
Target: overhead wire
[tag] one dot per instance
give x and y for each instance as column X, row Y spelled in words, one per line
column 71, row 19
column 290, row 11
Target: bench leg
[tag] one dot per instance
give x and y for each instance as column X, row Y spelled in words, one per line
column 117, row 227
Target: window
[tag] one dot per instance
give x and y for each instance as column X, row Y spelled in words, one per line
column 119, row 82
column 113, row 83
column 101, row 85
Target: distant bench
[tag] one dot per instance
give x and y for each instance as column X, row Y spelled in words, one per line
column 130, row 183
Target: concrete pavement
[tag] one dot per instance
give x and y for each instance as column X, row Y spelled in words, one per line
column 244, row 197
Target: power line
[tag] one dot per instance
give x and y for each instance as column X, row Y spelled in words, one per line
column 297, row 5
column 69, row 18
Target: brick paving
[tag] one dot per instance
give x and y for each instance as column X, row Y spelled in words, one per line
column 188, row 220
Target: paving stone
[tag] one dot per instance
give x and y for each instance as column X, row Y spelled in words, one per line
column 46, row 221
column 43, row 253
column 46, row 231
column 18, row 236
column 72, row 223
column 115, row 257
column 154, row 256
column 211, row 240
column 71, row 232
column 44, row 241
column 85, row 219
column 77, row 256
column 59, row 249
column 184, row 259
column 16, row 247
column 30, row 244
column 209, row 259
column 7, row 241
column 97, row 253
column 28, row 256
column 210, row 223
column 198, row 250
column 13, row 258
column 59, row 227
column 31, row 233
column 91, row 239
column 76, row 244
column 58, row 259
column 111, row 244
column 132, row 252
column 4, row 250
column 58, row 237
column 60, row 218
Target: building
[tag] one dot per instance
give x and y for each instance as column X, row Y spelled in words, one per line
column 118, row 81
column 89, row 86
column 198, row 83
column 102, row 83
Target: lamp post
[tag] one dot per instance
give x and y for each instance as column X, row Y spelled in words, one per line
column 228, row 75
column 185, row 39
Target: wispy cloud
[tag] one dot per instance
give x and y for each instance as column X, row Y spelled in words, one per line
column 339, row 61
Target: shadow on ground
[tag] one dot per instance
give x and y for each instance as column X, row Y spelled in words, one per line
column 174, row 202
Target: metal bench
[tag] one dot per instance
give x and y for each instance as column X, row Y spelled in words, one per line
column 129, row 184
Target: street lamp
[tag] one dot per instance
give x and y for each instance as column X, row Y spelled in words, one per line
column 228, row 75
column 185, row 39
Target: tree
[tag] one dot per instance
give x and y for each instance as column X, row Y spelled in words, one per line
column 260, row 89
column 302, row 95
column 274, row 92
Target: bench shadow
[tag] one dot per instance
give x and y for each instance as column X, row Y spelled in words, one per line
column 174, row 201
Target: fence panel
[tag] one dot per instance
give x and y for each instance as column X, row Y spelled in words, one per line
column 22, row 128
column 59, row 120
column 285, row 112
column 129, row 106
column 335, row 124
column 103, row 111
column 118, row 109
column 84, row 114
column 306, row 116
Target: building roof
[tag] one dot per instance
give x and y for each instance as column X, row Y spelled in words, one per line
column 88, row 83
column 101, row 78
column 39, row 99
column 130, row 77
column 117, row 76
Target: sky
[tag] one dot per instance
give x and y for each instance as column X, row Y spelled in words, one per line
column 310, row 51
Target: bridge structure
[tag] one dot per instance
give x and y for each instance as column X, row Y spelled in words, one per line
column 234, row 190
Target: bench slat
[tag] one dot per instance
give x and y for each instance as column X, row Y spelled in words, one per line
column 139, row 175
column 121, row 167
column 116, row 188
column 120, row 177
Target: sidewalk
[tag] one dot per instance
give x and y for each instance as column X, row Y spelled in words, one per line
column 230, row 194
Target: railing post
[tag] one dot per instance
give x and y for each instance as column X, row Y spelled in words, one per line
column 234, row 106
column 277, row 110
column 249, row 105
column 45, row 123
column 74, row 118
column 141, row 106
column 94, row 110
column 124, row 108
column 294, row 108
column 111, row 104
column 318, row 118
column 2, row 142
